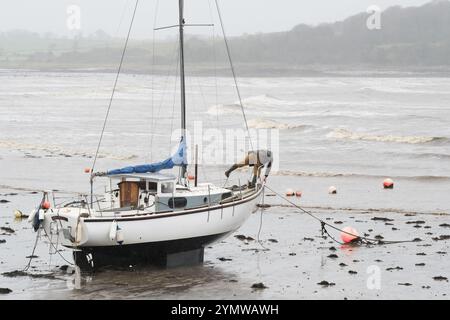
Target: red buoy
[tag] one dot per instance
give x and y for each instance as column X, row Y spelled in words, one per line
column 191, row 177
column 349, row 234
column 388, row 184
column 87, row 170
column 298, row 194
column 290, row 192
column 45, row 205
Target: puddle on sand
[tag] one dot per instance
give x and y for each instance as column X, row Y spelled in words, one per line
column 297, row 260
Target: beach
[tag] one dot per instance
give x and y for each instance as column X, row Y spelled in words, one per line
column 347, row 132
column 291, row 258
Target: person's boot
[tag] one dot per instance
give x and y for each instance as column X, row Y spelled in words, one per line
column 227, row 173
column 252, row 184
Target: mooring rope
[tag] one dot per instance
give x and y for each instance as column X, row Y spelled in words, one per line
column 32, row 253
column 261, row 222
column 323, row 224
column 44, row 196
column 38, row 235
column 34, row 249
column 56, row 250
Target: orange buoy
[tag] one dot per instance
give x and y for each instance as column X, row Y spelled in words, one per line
column 87, row 170
column 290, row 192
column 388, row 184
column 45, row 205
column 191, row 177
column 298, row 194
column 349, row 234
column 332, row 190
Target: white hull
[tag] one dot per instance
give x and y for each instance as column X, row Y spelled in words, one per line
column 79, row 232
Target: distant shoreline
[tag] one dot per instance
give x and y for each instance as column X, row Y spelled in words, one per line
column 252, row 71
column 412, row 42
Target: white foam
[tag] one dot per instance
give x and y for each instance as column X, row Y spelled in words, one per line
column 266, row 100
column 398, row 90
column 345, row 134
column 271, row 124
column 57, row 150
column 255, row 103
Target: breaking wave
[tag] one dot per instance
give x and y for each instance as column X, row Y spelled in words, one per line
column 355, row 175
column 266, row 100
column 37, row 190
column 58, row 151
column 251, row 103
column 345, row 134
column 398, row 90
column 272, row 124
column 433, row 155
column 222, row 109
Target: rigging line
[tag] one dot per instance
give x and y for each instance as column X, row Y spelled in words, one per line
column 186, row 25
column 177, row 70
column 202, row 169
column 115, row 85
column 233, row 72
column 153, row 80
column 197, row 77
column 175, row 52
column 324, row 223
column 214, row 59
column 122, row 16
column 191, row 86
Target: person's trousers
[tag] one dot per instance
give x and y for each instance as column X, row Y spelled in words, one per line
column 251, row 161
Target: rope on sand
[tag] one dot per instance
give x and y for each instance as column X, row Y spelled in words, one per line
column 358, row 239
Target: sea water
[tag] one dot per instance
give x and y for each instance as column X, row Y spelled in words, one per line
column 349, row 132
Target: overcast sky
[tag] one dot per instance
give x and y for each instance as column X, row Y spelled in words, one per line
column 240, row 16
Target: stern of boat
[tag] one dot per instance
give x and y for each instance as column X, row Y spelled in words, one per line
column 66, row 226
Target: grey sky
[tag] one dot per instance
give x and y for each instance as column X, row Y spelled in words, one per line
column 241, row 16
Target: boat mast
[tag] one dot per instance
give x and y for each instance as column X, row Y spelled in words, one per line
column 182, row 80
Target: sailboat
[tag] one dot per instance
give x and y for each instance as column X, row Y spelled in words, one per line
column 150, row 216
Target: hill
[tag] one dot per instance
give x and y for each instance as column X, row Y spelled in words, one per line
column 410, row 39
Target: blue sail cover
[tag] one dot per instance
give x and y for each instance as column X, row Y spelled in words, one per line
column 178, row 159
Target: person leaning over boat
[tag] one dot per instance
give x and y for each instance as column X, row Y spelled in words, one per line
column 256, row 159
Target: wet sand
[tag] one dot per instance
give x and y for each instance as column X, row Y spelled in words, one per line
column 347, row 132
column 290, row 260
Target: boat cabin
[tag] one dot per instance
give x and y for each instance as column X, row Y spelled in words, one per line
column 157, row 192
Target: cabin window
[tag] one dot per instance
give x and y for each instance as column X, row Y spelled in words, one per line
column 177, row 202
column 152, row 186
column 142, row 185
column 226, row 195
column 167, row 187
